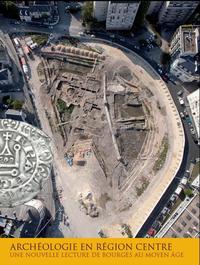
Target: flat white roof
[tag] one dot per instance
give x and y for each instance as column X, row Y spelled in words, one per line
column 178, row 190
column 194, row 102
column 196, row 182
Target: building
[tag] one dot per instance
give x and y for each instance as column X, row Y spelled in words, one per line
column 15, row 115
column 184, row 48
column 121, row 15
column 5, row 77
column 174, row 13
column 196, row 182
column 194, row 103
column 100, row 10
column 5, row 64
column 184, row 222
column 154, row 8
column 37, row 11
column 185, row 41
column 185, row 69
column 34, row 13
column 4, row 58
column 23, row 221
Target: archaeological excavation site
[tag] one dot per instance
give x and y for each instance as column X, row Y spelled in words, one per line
column 108, row 125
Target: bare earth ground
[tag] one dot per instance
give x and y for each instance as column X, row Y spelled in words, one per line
column 90, row 178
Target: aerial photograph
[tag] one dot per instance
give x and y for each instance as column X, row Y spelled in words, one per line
column 99, row 119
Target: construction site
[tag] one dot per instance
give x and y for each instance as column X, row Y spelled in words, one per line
column 103, row 112
column 107, row 126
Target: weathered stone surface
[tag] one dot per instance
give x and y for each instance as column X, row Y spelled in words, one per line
column 25, row 162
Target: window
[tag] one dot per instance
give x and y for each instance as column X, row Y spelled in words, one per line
column 195, row 223
column 190, row 230
column 179, row 230
column 188, row 217
column 193, row 211
column 186, row 235
column 183, row 223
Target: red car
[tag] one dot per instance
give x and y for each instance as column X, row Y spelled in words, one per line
column 151, row 232
column 165, row 78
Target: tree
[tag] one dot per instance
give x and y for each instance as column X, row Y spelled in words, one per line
column 165, row 59
column 87, row 12
column 188, row 192
column 15, row 104
column 142, row 10
column 5, row 99
column 9, row 9
column 143, row 42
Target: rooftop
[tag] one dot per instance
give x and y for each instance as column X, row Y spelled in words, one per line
column 24, row 219
column 189, row 38
column 26, row 10
column 3, row 74
column 3, row 55
column 189, row 42
column 189, row 63
column 193, row 100
column 14, row 114
column 186, row 224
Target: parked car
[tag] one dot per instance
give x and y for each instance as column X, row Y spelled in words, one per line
column 180, row 93
column 151, row 232
column 173, row 198
column 192, row 131
column 81, row 33
column 189, row 122
column 186, row 113
column 156, row 225
column 165, row 78
column 182, row 115
column 181, row 101
column 165, row 211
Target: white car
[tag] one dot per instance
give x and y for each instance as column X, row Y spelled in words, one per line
column 92, row 36
column 81, row 34
column 180, row 93
column 182, row 115
column 181, row 101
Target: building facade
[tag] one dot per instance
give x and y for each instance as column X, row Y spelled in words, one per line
column 194, row 103
column 100, row 9
column 23, row 221
column 175, row 13
column 184, row 49
column 121, row 15
column 154, row 7
column 5, row 64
